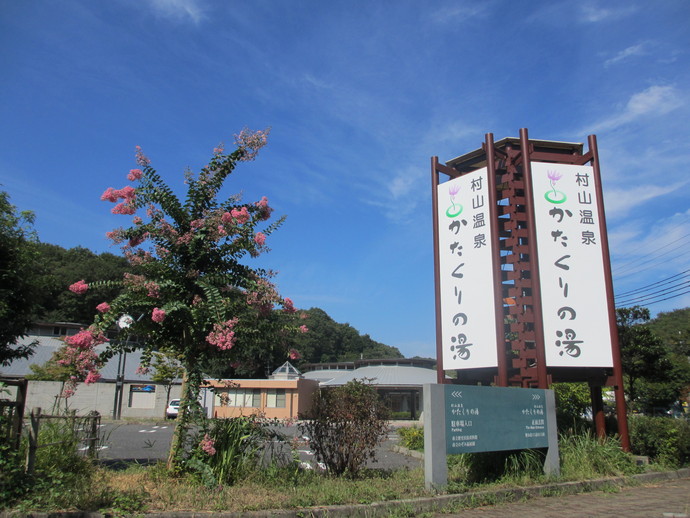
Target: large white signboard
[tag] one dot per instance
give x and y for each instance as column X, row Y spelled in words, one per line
column 466, row 274
column 571, row 266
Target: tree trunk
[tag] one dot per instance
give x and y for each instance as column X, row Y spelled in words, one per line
column 189, row 413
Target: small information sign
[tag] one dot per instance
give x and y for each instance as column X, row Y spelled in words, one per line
column 471, row 419
column 494, row 418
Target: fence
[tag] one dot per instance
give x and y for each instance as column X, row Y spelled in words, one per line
column 12, row 413
column 73, row 431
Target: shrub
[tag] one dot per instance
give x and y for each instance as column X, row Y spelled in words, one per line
column 573, row 402
column 664, row 440
column 13, row 482
column 63, row 478
column 412, row 437
column 344, row 426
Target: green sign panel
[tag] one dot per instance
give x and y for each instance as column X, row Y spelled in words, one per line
column 494, row 418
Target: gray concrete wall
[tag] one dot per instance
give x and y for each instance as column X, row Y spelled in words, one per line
column 97, row 396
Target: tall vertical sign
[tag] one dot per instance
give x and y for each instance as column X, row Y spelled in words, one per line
column 571, row 266
column 465, row 272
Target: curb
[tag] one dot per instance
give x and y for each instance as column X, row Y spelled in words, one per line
column 411, row 507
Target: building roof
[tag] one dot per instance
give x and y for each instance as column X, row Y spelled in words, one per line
column 324, row 375
column 286, row 371
column 386, row 376
column 47, row 345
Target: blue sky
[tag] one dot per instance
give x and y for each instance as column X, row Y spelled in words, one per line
column 359, row 96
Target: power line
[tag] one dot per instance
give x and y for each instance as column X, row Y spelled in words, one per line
column 635, row 262
column 655, row 261
column 648, row 299
column 652, row 285
column 660, row 300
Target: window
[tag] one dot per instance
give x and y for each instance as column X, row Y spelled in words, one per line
column 275, row 398
column 240, row 398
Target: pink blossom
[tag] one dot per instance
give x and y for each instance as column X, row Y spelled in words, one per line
column 110, row 194
column 86, row 339
column 142, row 159
column 67, row 393
column 303, row 329
column 158, row 315
column 79, row 287
column 222, row 336
column 128, row 193
column 134, row 174
column 185, row 239
column 241, row 216
column 264, row 210
column 226, row 217
column 207, row 445
column 115, row 236
column 260, row 238
column 251, row 142
column 142, row 371
column 153, row 289
column 103, row 307
column 294, row 354
column 137, row 220
column 219, row 149
column 123, row 208
column 92, row 377
column 288, row 305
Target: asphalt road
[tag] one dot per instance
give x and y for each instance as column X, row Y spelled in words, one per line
column 147, row 443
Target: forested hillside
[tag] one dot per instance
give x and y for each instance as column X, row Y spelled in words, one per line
column 326, row 341
column 330, row 341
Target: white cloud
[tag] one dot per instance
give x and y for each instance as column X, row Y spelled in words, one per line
column 178, row 9
column 461, row 11
column 620, row 202
column 593, row 12
column 655, row 100
column 635, row 50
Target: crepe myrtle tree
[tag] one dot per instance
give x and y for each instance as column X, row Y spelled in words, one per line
column 190, row 294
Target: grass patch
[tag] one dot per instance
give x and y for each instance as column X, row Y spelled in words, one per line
column 139, row 489
column 307, row 489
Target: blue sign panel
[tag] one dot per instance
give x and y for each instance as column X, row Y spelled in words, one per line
column 494, row 418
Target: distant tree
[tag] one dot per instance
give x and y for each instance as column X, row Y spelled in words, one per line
column 673, row 329
column 60, row 267
column 19, row 283
column 330, row 341
column 166, row 370
column 643, row 355
column 52, row 370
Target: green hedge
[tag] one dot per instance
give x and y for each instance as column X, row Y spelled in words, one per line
column 664, row 440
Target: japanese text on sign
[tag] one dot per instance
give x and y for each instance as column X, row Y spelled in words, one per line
column 571, row 266
column 467, row 306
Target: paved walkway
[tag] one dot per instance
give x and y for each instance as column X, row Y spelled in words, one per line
column 663, row 499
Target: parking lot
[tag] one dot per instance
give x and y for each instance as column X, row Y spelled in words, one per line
column 146, row 443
